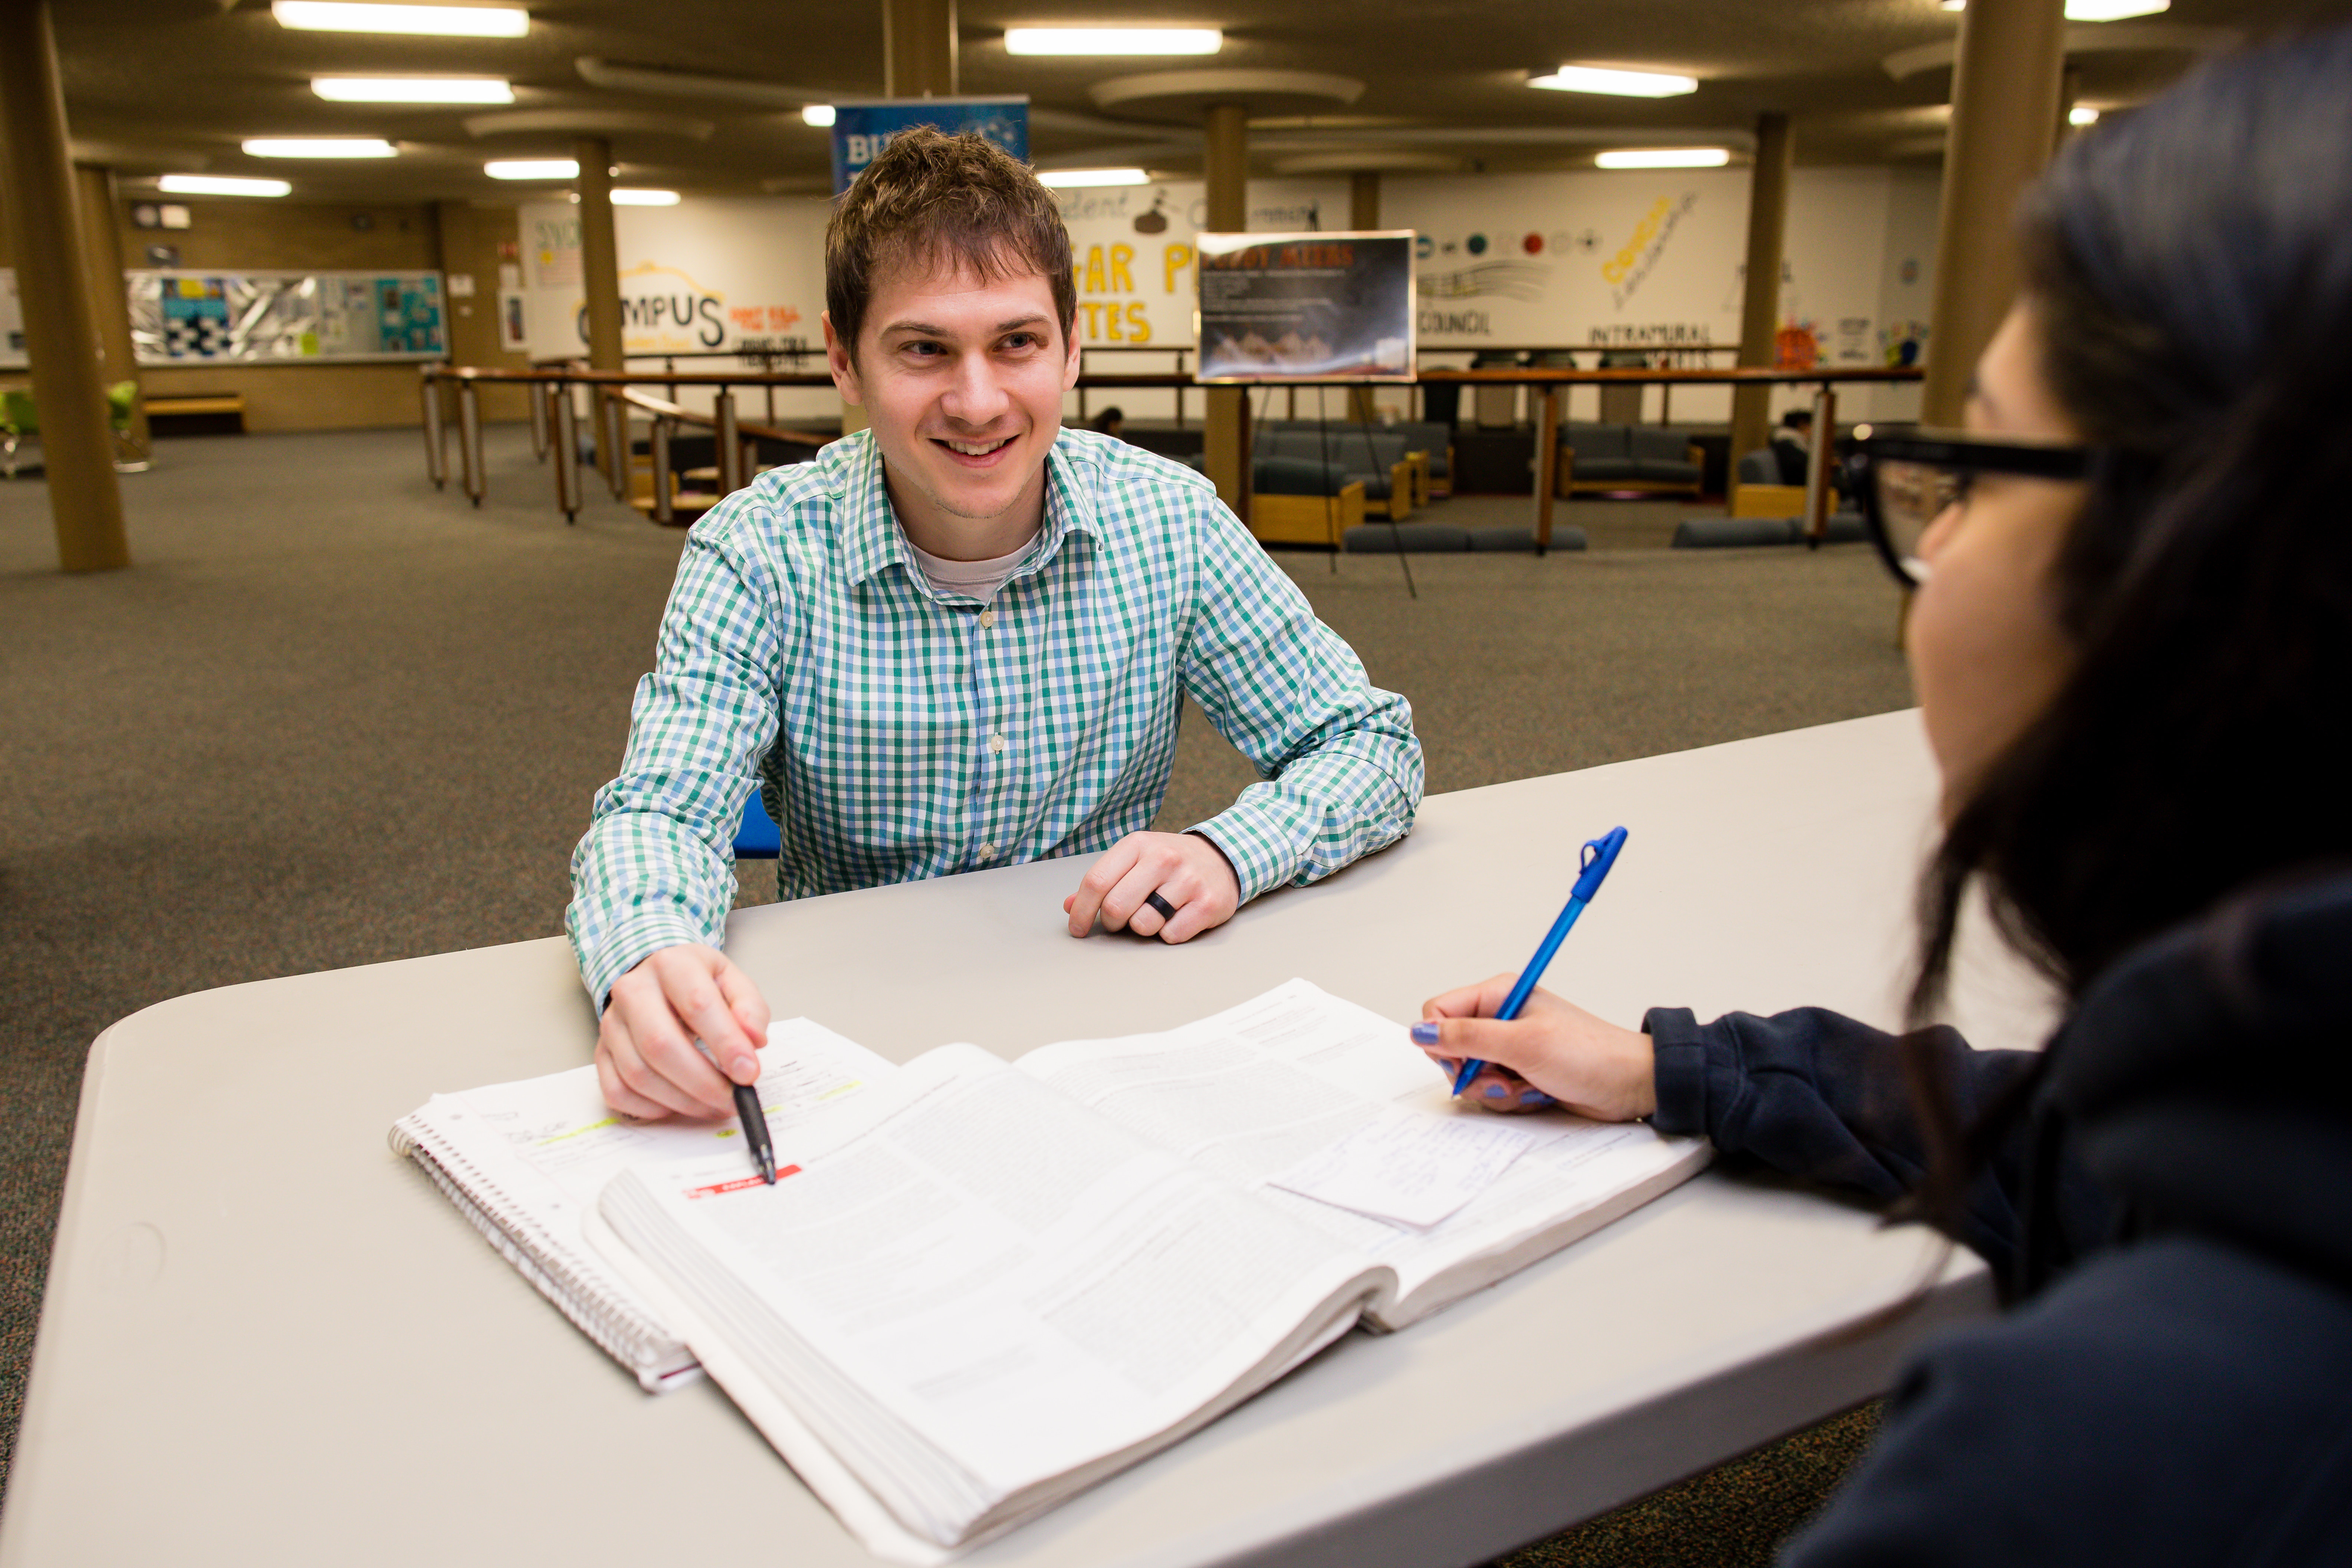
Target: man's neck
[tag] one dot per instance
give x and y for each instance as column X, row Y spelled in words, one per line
column 936, row 531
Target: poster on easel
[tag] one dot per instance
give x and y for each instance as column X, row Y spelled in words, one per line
column 1329, row 306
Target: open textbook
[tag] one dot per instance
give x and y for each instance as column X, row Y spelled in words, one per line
column 982, row 1285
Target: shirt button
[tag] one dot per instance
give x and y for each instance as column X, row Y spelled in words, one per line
column 987, row 619
column 996, row 742
column 988, row 851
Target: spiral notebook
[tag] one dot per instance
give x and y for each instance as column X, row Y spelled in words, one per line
column 524, row 1161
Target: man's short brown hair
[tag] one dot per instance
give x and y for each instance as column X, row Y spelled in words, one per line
column 933, row 199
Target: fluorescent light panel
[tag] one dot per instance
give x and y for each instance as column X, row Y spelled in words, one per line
column 318, row 147
column 817, row 114
column 220, row 185
column 1664, row 158
column 1066, row 179
column 2082, row 114
column 412, row 90
column 532, row 169
column 624, row 196
column 1616, row 83
column 2094, row 10
column 441, row 21
column 1113, row 40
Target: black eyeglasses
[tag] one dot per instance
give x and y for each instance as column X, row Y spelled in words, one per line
column 1908, row 478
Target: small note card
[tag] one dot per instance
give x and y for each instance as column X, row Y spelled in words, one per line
column 1413, row 1167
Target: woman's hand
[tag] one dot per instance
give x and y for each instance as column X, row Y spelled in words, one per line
column 1554, row 1052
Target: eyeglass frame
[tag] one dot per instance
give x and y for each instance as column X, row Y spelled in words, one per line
column 1949, row 449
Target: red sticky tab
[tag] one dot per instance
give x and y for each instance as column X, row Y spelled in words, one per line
column 741, row 1183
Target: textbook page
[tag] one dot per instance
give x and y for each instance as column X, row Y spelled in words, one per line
column 526, row 1160
column 1257, row 1090
column 979, row 1296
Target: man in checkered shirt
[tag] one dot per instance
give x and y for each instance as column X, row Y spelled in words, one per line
column 959, row 639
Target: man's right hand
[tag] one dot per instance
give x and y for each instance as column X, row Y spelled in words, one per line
column 646, row 1056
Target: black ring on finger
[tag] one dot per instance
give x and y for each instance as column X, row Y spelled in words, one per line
column 1166, row 911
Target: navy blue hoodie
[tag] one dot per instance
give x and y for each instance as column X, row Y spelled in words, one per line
column 2171, row 1223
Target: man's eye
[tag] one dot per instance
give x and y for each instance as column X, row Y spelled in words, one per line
column 922, row 350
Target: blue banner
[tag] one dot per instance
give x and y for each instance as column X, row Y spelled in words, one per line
column 860, row 131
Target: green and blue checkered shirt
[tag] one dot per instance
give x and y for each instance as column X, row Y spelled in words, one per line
column 907, row 732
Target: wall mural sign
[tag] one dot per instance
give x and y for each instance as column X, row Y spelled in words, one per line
column 861, row 130
column 1308, row 306
column 182, row 317
column 711, row 275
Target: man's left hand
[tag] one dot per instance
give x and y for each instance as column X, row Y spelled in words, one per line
column 1188, row 873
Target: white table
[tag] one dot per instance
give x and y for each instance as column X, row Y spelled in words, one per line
column 267, row 1341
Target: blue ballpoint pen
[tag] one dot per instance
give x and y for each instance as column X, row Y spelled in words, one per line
column 1600, row 854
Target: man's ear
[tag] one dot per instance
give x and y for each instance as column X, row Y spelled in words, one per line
column 1077, row 357
column 838, row 361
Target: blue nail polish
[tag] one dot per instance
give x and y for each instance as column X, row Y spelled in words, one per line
column 1535, row 1096
column 1497, row 1092
column 1424, row 1034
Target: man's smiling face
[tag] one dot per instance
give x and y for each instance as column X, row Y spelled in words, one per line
column 961, row 377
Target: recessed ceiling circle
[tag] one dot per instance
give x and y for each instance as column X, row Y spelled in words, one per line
column 1186, row 95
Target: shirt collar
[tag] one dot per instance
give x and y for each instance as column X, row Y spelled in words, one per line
column 872, row 539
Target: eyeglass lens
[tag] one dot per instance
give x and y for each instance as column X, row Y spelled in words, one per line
column 1910, row 496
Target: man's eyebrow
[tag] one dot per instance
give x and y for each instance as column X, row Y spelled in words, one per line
column 927, row 329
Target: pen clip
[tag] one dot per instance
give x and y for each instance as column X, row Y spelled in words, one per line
column 1598, row 856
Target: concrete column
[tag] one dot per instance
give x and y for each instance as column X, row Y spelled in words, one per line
column 600, row 273
column 61, row 335
column 2069, row 87
column 1225, row 425
column 101, row 249
column 2004, row 124
column 1760, row 314
column 1363, row 212
column 919, row 48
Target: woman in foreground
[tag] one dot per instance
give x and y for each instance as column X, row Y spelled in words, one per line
column 2132, row 645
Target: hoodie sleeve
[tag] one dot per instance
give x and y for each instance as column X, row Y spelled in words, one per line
column 1821, row 1097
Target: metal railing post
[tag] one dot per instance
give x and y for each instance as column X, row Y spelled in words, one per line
column 616, row 426
column 663, row 513
column 567, row 450
column 469, row 437
column 1817, row 466
column 436, row 450
column 730, row 454
column 538, row 422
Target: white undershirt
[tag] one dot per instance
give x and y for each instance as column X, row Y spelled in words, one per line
column 978, row 579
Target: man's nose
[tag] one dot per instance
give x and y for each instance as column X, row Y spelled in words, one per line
column 974, row 396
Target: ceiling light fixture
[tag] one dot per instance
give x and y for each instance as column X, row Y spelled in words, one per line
column 2094, row 10
column 440, row 21
column 412, row 90
column 220, row 185
column 1070, row 179
column 632, row 196
column 1113, row 40
column 318, row 147
column 1664, row 158
column 2082, row 114
column 1616, row 83
column 817, row 114
column 532, row 169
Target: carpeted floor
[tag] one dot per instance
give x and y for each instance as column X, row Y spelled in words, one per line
column 333, row 717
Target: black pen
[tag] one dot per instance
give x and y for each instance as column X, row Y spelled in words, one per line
column 755, row 1129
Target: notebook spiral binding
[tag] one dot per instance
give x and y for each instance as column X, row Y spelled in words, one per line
column 659, row 1360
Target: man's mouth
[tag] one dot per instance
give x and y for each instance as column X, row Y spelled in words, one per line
column 975, row 448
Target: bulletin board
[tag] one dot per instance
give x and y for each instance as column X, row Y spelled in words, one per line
column 186, row 317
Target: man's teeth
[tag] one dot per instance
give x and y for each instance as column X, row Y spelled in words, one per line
column 974, row 448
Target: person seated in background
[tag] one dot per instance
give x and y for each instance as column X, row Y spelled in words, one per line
column 959, row 638
column 2130, row 681
column 1110, row 422
column 1792, row 446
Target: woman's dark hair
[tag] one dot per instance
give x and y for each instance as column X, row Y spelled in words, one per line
column 2188, row 269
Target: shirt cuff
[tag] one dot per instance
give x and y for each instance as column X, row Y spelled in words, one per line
column 1257, row 842
column 628, row 945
